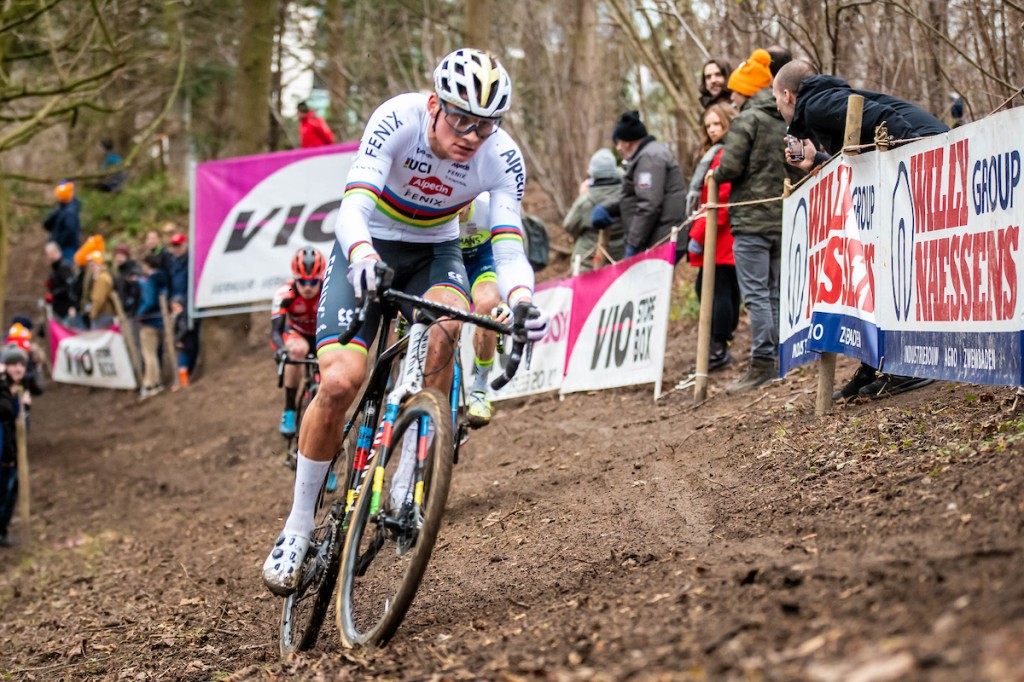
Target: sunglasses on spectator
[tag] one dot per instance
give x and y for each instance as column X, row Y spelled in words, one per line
column 308, row 282
column 463, row 124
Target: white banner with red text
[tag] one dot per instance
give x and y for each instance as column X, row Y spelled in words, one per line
column 250, row 214
column 91, row 358
column 910, row 260
column 607, row 329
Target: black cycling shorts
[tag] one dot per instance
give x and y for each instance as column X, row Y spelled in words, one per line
column 418, row 268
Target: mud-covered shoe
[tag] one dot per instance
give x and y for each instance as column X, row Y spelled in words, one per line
column 888, row 385
column 478, row 409
column 288, row 423
column 865, row 375
column 759, row 371
column 281, row 569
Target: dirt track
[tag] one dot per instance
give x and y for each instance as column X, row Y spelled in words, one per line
column 602, row 537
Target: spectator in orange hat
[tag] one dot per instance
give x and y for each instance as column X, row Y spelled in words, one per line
column 20, row 336
column 99, row 305
column 63, row 223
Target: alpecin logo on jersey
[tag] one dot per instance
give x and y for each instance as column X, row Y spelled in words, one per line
column 431, row 185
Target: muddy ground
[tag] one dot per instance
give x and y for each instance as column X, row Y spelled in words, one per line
column 602, row 537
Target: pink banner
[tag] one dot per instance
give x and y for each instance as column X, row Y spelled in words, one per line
column 250, row 213
column 588, row 287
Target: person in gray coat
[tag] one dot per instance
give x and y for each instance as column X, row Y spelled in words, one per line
column 653, row 190
column 603, row 183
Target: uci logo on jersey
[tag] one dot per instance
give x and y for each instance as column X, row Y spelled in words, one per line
column 418, row 166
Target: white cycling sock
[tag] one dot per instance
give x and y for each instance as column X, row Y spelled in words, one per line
column 481, row 370
column 309, row 476
column 405, row 475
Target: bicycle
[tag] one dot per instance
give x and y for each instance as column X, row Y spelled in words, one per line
column 308, row 388
column 381, row 552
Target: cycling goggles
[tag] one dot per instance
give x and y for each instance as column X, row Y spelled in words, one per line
column 463, row 124
column 309, row 282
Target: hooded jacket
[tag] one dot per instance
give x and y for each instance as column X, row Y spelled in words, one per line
column 820, row 114
column 653, row 195
column 754, row 161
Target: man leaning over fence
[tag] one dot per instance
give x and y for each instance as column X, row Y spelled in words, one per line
column 814, row 106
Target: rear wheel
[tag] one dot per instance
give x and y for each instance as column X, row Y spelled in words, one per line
column 389, row 540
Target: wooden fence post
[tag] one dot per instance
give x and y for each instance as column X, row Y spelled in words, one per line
column 21, row 435
column 129, row 337
column 827, row 362
column 171, row 357
column 707, row 295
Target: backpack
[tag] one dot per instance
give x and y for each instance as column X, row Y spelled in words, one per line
column 536, row 242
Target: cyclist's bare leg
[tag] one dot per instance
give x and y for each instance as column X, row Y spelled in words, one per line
column 342, row 373
column 485, row 299
column 297, row 348
column 443, row 347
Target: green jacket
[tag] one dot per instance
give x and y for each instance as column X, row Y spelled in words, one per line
column 754, row 161
column 577, row 223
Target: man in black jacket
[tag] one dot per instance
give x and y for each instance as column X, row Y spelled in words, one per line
column 814, row 106
column 60, row 285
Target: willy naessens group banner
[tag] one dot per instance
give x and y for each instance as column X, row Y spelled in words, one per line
column 910, row 259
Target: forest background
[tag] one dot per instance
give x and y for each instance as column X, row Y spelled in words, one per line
column 175, row 81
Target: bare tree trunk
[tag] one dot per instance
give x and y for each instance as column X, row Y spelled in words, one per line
column 276, row 77
column 476, row 28
column 335, row 75
column 250, row 115
column 584, row 131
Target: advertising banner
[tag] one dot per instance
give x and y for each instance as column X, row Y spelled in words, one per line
column 951, row 256
column 547, row 364
column 829, row 244
column 250, row 214
column 619, row 321
column 911, row 259
column 91, row 358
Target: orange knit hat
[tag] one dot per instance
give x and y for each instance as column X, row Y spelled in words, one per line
column 752, row 75
column 64, row 192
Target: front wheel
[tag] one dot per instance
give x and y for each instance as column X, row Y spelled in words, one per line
column 395, row 522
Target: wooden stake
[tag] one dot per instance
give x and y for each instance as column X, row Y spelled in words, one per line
column 827, row 362
column 21, row 435
column 129, row 337
column 707, row 295
column 170, row 356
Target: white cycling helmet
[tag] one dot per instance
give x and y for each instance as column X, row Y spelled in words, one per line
column 475, row 82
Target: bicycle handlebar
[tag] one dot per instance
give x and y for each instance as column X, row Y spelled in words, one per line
column 516, row 330
column 285, row 360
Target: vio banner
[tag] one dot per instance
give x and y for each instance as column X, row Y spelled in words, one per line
column 547, row 364
column 829, row 240
column 92, row 358
column 951, row 254
column 619, row 321
column 250, row 214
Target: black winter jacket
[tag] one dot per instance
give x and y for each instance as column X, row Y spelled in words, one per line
column 820, row 114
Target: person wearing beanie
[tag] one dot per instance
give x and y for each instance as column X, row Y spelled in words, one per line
column 751, row 77
column 63, row 223
column 603, row 183
column 653, row 199
column 753, row 160
column 13, row 362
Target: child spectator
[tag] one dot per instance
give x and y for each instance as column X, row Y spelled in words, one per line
column 726, row 312
column 20, row 336
column 12, row 372
column 151, row 323
column 603, row 184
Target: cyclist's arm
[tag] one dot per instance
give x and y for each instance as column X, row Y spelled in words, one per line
column 385, row 133
column 279, row 316
column 515, row 275
column 277, row 325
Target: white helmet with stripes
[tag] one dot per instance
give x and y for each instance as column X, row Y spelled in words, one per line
column 475, row 82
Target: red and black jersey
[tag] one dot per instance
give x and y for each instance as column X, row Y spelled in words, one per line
column 300, row 312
